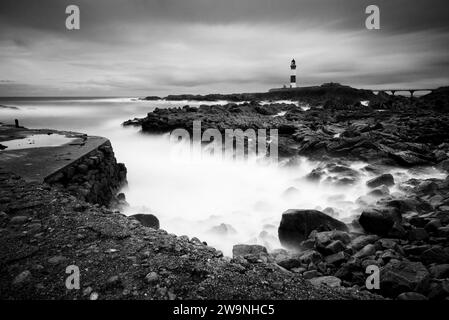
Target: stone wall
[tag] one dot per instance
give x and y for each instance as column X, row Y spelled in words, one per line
column 96, row 177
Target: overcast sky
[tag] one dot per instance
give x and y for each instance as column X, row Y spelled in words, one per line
column 138, row 47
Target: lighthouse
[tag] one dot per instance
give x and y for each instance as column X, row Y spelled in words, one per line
column 293, row 74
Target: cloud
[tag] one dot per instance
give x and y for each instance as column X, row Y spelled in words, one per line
column 200, row 46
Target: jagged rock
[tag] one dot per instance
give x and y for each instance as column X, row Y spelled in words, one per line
column 296, row 225
column 147, row 220
column 403, row 276
column 384, row 179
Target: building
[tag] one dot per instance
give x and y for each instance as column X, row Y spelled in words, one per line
column 293, row 74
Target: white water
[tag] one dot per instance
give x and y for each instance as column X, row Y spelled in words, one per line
column 192, row 197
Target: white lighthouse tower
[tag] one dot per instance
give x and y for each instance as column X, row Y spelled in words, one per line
column 293, row 74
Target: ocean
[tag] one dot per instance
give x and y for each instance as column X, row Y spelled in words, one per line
column 222, row 202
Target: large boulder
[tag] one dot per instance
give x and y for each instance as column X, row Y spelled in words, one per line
column 296, row 226
column 147, row 220
column 403, row 276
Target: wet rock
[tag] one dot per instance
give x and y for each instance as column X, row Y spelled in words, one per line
column 384, row 179
column 379, row 222
column 403, row 276
column 379, row 192
column 296, row 225
column 329, row 281
column 147, row 220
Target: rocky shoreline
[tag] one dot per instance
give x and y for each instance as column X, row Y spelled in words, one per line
column 65, row 220
column 45, row 229
column 404, row 235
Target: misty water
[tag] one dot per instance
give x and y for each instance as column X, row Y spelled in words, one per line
column 222, row 202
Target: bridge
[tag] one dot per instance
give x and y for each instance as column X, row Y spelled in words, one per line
column 411, row 91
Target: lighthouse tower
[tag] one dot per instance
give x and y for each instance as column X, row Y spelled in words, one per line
column 293, row 74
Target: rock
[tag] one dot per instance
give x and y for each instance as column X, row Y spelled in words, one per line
column 366, row 251
column 440, row 291
column 147, row 220
column 310, row 256
column 296, row 225
column 435, row 254
column 379, row 192
column 291, row 193
column 223, row 229
column 4, row 218
column 384, row 179
column 329, row 281
column 289, row 262
column 336, row 258
column 94, row 296
column 152, row 277
column 21, row 278
column 310, row 274
column 361, row 241
column 418, row 234
column 18, row 220
column 439, row 271
column 242, row 250
column 56, row 259
column 376, row 221
column 433, row 225
column 335, row 246
column 397, row 277
column 411, row 296
column 113, row 282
